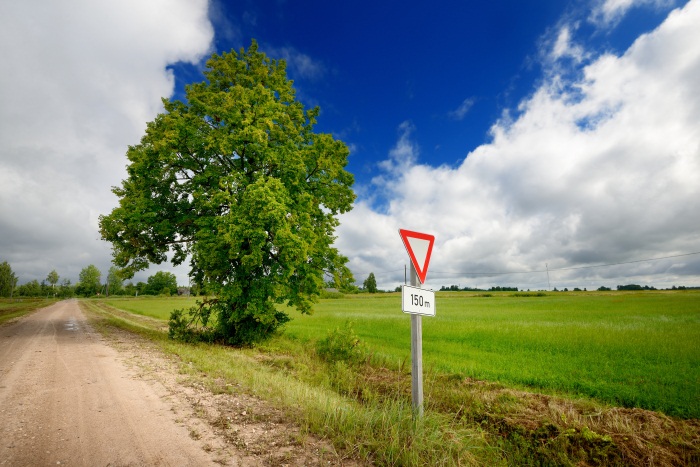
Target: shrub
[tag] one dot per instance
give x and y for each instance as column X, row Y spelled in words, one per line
column 342, row 345
column 331, row 294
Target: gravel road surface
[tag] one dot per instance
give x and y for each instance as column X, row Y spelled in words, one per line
column 67, row 398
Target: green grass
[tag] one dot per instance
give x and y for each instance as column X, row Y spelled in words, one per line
column 383, row 432
column 153, row 307
column 633, row 349
column 364, row 407
column 16, row 307
column 629, row 349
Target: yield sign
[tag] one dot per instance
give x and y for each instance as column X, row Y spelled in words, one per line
column 419, row 247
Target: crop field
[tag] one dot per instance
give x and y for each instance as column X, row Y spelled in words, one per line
column 631, row 349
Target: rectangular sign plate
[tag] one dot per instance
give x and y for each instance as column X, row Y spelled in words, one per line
column 417, row 301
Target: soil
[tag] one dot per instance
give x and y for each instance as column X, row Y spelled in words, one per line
column 71, row 396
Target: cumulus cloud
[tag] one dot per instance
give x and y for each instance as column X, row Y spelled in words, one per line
column 80, row 80
column 600, row 170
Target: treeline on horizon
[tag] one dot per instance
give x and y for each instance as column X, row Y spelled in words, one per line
column 455, row 288
column 89, row 284
column 162, row 283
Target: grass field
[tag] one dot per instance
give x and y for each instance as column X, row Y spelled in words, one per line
column 632, row 349
column 15, row 307
column 635, row 349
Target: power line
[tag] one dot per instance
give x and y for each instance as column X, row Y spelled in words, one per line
column 378, row 273
column 626, row 262
column 547, row 270
column 535, row 271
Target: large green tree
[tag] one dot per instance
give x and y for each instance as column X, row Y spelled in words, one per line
column 89, row 281
column 114, row 281
column 8, row 280
column 236, row 179
column 161, row 283
column 52, row 278
column 370, row 283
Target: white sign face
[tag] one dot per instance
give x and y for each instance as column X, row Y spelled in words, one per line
column 420, row 249
column 417, row 301
column 419, row 246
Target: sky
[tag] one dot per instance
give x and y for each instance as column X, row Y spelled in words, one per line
column 543, row 143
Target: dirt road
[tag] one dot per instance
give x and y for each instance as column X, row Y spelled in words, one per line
column 67, row 398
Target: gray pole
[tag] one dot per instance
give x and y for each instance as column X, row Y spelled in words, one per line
column 416, row 354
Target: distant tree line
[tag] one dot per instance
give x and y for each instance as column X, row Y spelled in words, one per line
column 634, row 287
column 89, row 284
column 165, row 284
column 456, row 288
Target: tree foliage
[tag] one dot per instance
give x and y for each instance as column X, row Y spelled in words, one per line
column 161, row 283
column 634, row 287
column 30, row 289
column 52, row 278
column 236, row 180
column 66, row 289
column 114, row 281
column 370, row 284
column 8, row 280
column 89, row 281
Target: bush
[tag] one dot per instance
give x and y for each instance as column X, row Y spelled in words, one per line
column 331, row 294
column 230, row 326
column 179, row 327
column 342, row 345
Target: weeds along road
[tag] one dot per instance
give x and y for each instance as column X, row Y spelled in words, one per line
column 67, row 398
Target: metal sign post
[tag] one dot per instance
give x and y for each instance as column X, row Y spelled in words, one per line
column 416, row 354
column 417, row 301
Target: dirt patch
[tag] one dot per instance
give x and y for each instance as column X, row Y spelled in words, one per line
column 66, row 398
column 72, row 396
column 234, row 427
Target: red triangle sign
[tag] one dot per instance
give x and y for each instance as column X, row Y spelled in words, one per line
column 419, row 247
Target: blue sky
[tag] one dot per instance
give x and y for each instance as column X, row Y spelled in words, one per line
column 526, row 136
column 372, row 65
column 451, row 69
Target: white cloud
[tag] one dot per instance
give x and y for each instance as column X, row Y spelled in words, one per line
column 564, row 47
column 226, row 29
column 610, row 12
column 597, row 171
column 299, row 64
column 460, row 112
column 80, row 80
column 405, row 153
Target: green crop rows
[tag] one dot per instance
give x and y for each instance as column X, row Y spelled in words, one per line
column 623, row 348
